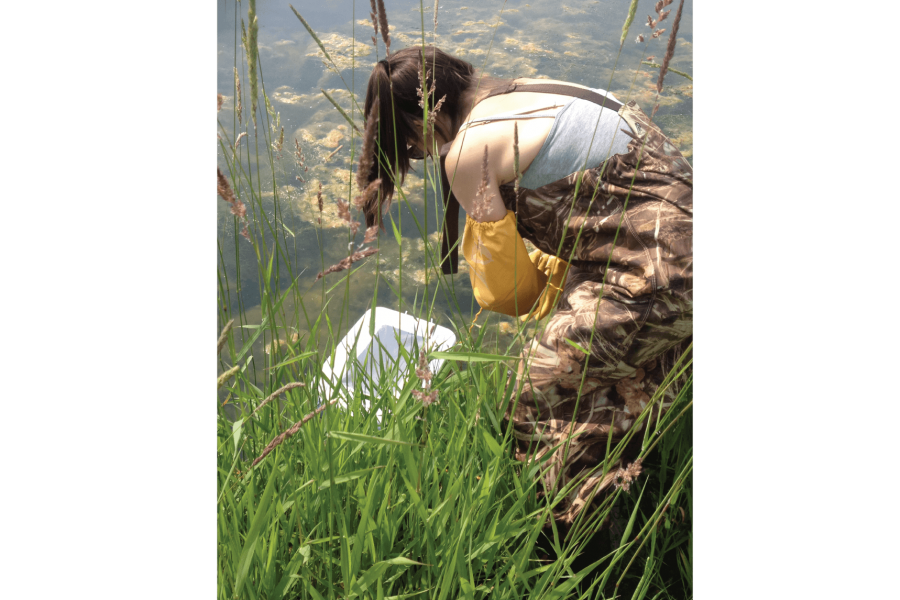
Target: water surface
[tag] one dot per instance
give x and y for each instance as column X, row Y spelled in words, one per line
column 574, row 41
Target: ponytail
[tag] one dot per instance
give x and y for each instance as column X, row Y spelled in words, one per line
column 392, row 100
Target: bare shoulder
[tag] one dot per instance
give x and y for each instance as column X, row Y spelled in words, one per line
column 466, row 168
column 467, row 151
column 466, row 154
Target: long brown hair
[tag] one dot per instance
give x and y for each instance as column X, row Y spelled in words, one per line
column 393, row 83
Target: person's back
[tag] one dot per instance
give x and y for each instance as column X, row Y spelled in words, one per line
column 558, row 135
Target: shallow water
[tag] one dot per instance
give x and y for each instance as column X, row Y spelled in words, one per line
column 574, row 41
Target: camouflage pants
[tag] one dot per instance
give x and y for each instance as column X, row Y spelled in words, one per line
column 626, row 230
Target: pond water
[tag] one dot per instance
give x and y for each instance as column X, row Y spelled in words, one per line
column 575, row 41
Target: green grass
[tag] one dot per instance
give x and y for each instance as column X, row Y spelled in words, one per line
column 429, row 502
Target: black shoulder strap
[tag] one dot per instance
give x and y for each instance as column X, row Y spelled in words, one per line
column 562, row 90
column 450, row 258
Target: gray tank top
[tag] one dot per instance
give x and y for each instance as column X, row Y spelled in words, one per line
column 572, row 139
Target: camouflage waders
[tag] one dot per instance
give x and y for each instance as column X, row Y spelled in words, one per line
column 633, row 212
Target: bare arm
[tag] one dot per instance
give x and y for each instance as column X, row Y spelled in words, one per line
column 465, row 167
column 504, row 277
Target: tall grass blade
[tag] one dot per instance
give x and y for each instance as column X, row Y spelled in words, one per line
column 657, row 66
column 472, row 356
column 313, row 34
column 259, row 521
column 343, row 113
column 367, row 439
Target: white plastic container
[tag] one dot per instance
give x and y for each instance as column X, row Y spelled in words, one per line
column 360, row 357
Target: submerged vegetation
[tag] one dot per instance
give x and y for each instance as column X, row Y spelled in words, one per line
column 420, row 495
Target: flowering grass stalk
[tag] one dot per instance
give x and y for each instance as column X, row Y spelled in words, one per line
column 252, row 57
column 240, row 106
column 223, row 337
column 383, row 23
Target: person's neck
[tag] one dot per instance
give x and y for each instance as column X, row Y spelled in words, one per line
column 473, row 95
column 479, row 91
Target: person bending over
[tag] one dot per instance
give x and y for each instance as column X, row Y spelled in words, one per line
column 605, row 198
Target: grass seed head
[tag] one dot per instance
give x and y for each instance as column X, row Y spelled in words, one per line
column 482, row 197
column 224, row 377
column 319, row 199
column 223, row 337
column 367, row 156
column 298, row 153
column 368, row 197
column 240, row 107
column 374, row 16
column 623, row 478
column 277, row 441
column 423, row 372
column 224, row 187
column 371, row 234
column 426, row 398
column 634, row 469
column 632, row 10
column 419, row 92
column 237, row 207
column 432, row 116
column 422, row 85
column 383, row 21
column 670, row 48
column 347, row 262
column 252, row 56
column 344, row 210
column 516, row 156
column 275, row 394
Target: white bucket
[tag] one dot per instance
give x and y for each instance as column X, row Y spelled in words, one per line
column 360, row 357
